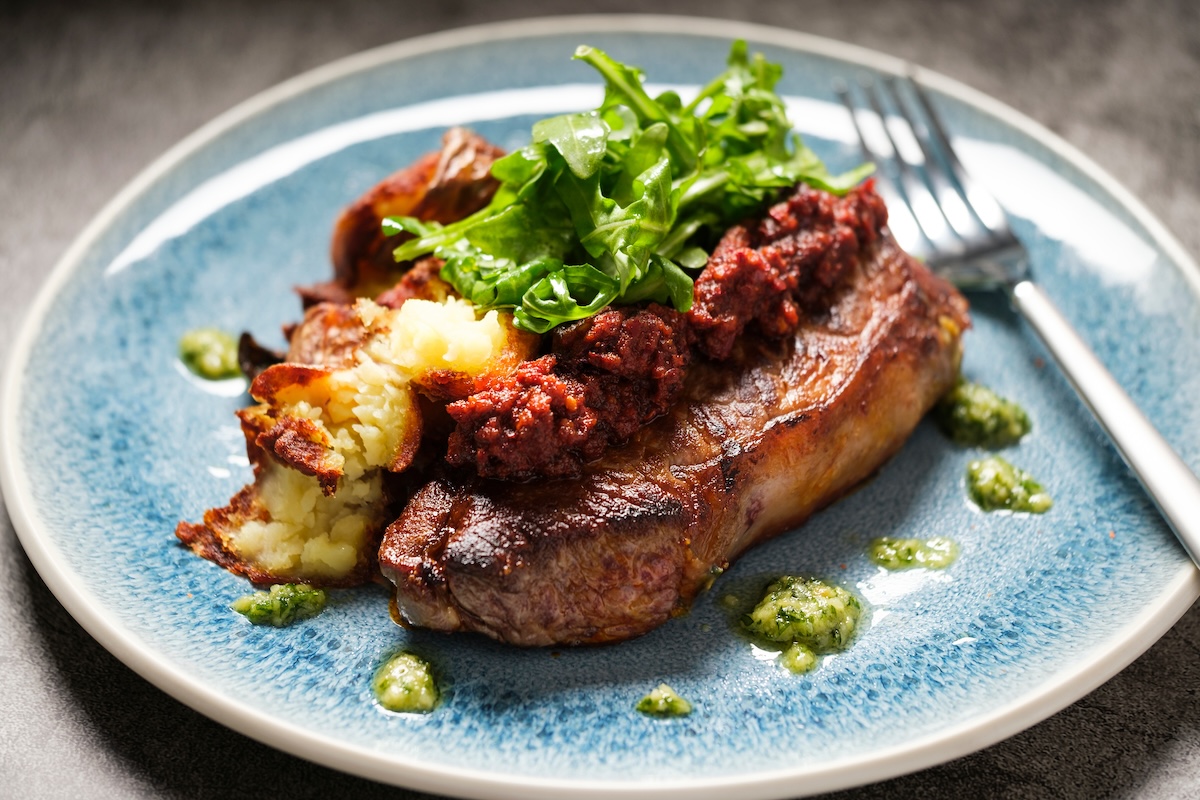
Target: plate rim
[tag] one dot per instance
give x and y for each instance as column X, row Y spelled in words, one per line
column 1088, row 670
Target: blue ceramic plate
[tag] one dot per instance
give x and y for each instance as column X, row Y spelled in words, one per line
column 108, row 444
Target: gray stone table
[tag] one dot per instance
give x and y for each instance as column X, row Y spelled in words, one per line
column 91, row 93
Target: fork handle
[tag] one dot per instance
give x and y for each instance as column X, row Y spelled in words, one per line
column 1166, row 478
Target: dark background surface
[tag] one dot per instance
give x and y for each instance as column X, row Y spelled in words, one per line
column 91, row 93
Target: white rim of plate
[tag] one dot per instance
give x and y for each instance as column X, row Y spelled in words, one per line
column 1087, row 672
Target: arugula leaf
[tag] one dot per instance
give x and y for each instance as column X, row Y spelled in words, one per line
column 615, row 204
column 624, row 88
column 581, row 139
column 495, row 283
column 520, row 233
column 564, row 295
column 665, row 283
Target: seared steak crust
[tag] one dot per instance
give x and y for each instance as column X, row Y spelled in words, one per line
column 755, row 446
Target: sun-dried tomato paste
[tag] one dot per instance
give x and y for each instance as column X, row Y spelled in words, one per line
column 609, row 375
column 768, row 273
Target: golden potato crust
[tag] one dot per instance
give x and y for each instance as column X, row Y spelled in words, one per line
column 439, row 187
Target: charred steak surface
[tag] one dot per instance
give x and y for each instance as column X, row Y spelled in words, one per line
column 757, row 443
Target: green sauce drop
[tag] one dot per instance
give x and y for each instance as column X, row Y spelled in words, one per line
column 210, row 353
column 798, row 659
column 894, row 553
column 974, row 415
column 995, row 484
column 662, row 701
column 406, row 684
column 805, row 611
column 281, row 606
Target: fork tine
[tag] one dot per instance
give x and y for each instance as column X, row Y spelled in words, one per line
column 929, row 188
column 985, row 208
column 903, row 224
column 921, row 200
column 951, row 200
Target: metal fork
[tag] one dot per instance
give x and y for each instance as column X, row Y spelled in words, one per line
column 963, row 234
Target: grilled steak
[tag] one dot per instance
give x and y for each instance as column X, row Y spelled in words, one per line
column 757, row 443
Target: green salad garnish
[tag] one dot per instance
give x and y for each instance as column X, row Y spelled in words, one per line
column 615, row 205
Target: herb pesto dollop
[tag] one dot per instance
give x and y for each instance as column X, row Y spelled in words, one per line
column 663, row 701
column 282, row 605
column 805, row 611
column 210, row 353
column 995, row 484
column 895, row 553
column 406, row 683
column 974, row 415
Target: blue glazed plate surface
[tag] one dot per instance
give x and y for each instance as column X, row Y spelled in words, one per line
column 108, row 443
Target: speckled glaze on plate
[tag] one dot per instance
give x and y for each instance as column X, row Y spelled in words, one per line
column 107, row 443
